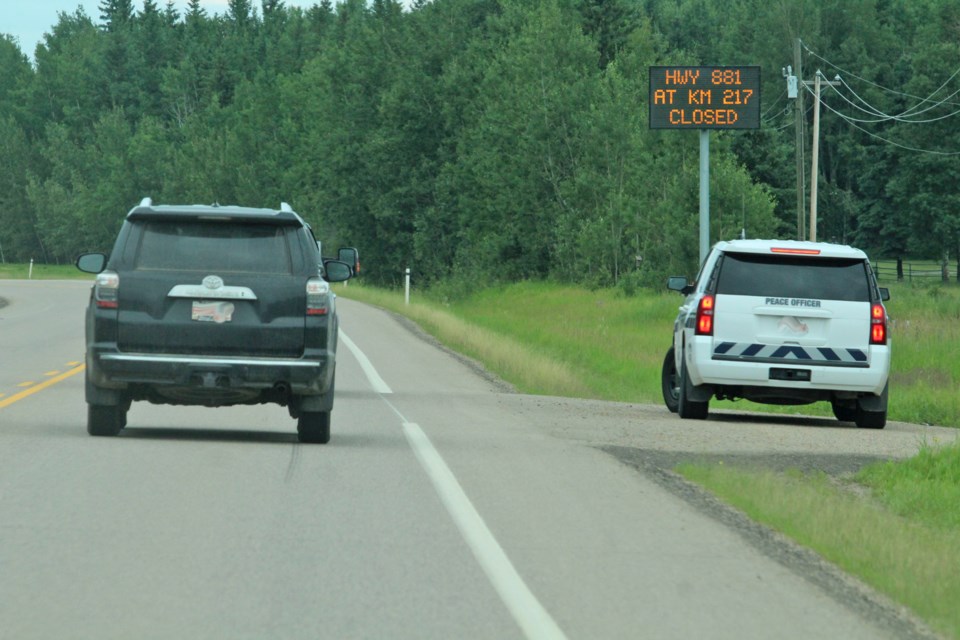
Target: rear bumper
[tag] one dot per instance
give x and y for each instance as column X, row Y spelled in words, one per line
column 309, row 375
column 869, row 377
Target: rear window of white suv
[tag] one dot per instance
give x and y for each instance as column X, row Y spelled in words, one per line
column 779, row 276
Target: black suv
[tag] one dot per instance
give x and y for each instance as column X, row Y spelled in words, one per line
column 212, row 306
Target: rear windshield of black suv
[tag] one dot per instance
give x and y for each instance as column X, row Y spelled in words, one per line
column 748, row 274
column 214, row 247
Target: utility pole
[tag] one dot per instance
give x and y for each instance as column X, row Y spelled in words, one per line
column 798, row 111
column 793, row 92
column 814, row 158
column 815, row 152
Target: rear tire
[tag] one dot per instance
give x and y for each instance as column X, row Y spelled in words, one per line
column 844, row 412
column 686, row 407
column 106, row 420
column 871, row 419
column 669, row 382
column 314, row 427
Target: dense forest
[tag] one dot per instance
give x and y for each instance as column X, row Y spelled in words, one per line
column 487, row 140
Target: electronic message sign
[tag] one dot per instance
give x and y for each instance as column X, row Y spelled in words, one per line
column 704, row 97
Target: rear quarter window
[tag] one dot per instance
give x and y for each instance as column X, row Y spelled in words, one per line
column 745, row 274
column 214, row 247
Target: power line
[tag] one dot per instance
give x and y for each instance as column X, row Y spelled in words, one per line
column 907, row 112
column 853, row 122
column 899, row 118
column 883, row 116
column 775, row 103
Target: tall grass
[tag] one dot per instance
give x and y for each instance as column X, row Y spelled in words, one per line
column 522, row 365
column 602, row 345
column 925, row 372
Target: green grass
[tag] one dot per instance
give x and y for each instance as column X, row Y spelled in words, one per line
column 591, row 337
column 15, row 271
column 900, row 541
column 903, row 537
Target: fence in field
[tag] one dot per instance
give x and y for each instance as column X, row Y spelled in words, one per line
column 927, row 271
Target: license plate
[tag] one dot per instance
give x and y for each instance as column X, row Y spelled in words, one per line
column 801, row 375
column 218, row 312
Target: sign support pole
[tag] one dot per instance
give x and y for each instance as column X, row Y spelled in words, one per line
column 704, row 194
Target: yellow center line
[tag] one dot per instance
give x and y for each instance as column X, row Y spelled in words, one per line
column 40, row 387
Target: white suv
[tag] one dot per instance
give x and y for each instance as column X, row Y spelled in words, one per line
column 781, row 322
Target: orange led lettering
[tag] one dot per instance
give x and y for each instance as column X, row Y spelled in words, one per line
column 663, row 96
column 682, row 76
column 725, row 76
column 698, row 96
column 704, row 97
column 703, row 117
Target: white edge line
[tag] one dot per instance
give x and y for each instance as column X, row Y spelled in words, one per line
column 375, row 380
column 535, row 622
column 533, row 619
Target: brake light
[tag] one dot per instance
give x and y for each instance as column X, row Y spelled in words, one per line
column 318, row 297
column 800, row 252
column 705, row 316
column 105, row 290
column 878, row 324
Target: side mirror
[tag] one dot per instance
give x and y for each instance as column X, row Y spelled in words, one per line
column 884, row 294
column 679, row 283
column 351, row 256
column 91, row 262
column 336, row 271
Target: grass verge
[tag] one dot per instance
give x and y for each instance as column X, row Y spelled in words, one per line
column 899, row 540
column 37, row 271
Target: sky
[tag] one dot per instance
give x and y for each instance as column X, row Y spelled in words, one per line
column 28, row 20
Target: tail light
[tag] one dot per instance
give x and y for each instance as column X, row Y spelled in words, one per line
column 105, row 290
column 318, row 297
column 878, row 324
column 705, row 316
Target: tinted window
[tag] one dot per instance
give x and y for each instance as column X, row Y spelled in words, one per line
column 214, row 247
column 794, row 277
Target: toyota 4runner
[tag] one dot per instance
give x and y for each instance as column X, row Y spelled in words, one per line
column 212, row 306
column 781, row 322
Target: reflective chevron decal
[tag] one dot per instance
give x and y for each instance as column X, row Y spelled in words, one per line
column 746, row 351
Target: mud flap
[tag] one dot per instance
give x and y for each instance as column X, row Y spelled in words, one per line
column 874, row 403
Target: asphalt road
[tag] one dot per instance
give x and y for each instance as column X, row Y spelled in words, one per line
column 445, row 506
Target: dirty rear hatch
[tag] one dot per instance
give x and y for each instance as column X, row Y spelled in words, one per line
column 219, row 287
